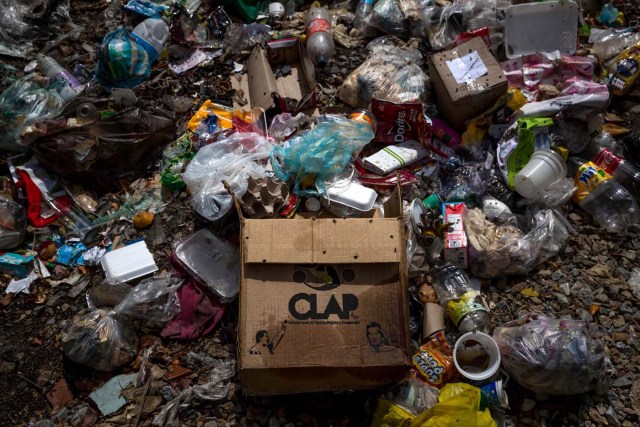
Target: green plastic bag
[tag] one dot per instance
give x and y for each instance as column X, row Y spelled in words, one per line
column 248, row 10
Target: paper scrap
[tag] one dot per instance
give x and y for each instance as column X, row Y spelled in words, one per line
column 22, row 285
column 107, row 398
column 466, row 69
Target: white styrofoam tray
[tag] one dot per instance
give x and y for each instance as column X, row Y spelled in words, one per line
column 541, row 27
column 129, row 263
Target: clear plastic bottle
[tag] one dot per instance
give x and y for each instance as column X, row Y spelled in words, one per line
column 66, row 84
column 155, row 32
column 363, row 11
column 461, row 298
column 600, row 151
column 600, row 195
column 320, row 44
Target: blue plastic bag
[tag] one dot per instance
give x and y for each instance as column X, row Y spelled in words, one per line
column 124, row 60
column 323, row 152
column 146, row 8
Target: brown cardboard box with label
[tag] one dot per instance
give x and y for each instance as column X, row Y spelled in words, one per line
column 264, row 87
column 323, row 303
column 467, row 81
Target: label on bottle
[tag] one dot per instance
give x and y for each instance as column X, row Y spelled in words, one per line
column 588, row 177
column 468, row 303
column 318, row 26
column 367, row 1
column 607, row 161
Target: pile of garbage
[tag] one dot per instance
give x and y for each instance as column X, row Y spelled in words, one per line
column 364, row 228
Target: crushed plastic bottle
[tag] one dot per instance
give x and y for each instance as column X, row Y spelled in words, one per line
column 461, row 299
column 320, row 44
column 363, row 12
column 65, row 83
column 600, row 195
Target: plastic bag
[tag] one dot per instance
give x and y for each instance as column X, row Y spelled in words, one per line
column 95, row 338
column 458, row 405
column 13, row 223
column 122, row 60
column 322, row 152
column 206, row 30
column 23, row 104
column 104, row 151
column 152, row 299
column 496, row 251
column 553, row 356
column 610, row 42
column 233, row 160
column 389, row 73
column 414, row 395
column 22, row 22
column 402, row 18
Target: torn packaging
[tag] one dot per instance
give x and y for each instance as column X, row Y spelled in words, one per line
column 323, row 303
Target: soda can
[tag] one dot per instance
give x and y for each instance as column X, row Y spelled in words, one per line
column 365, row 116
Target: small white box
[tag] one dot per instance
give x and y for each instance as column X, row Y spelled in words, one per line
column 129, row 263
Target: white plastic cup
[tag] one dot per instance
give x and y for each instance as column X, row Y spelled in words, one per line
column 276, row 11
column 544, row 168
column 474, row 343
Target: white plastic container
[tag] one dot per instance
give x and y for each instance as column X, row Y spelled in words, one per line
column 153, row 31
column 129, row 263
column 543, row 169
column 541, row 27
column 354, row 195
column 276, row 11
column 66, row 84
column 476, row 356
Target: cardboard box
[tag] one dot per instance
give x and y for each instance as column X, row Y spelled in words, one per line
column 323, row 303
column 261, row 88
column 467, row 81
column 455, row 238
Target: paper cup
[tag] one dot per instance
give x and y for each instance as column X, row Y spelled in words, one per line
column 543, row 169
column 476, row 356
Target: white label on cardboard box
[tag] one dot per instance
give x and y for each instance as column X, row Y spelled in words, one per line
column 467, row 68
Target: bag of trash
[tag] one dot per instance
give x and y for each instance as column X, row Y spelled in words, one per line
column 95, row 338
column 232, row 160
column 123, row 60
column 321, row 153
column 13, row 223
column 22, row 104
column 402, row 18
column 153, row 299
column 389, row 73
column 553, row 356
column 100, row 153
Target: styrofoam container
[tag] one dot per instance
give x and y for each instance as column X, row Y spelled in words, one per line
column 129, row 263
column 354, row 195
column 543, row 169
column 471, row 341
column 541, row 27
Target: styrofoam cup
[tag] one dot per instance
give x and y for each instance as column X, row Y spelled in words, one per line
column 476, row 343
column 543, row 169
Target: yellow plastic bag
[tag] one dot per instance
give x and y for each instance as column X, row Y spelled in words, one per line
column 389, row 414
column 225, row 115
column 458, row 406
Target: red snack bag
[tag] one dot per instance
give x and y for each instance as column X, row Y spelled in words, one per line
column 397, row 123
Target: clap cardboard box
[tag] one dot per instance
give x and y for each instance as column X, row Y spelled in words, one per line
column 467, row 81
column 323, row 303
column 279, row 75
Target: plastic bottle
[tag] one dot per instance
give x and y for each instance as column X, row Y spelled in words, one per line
column 600, row 151
column 153, row 34
column 605, row 199
column 66, row 84
column 461, row 298
column 320, row 44
column 363, row 11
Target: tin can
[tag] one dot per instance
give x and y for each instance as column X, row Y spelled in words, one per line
column 362, row 115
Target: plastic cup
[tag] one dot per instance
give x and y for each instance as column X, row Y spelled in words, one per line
column 476, row 356
column 543, row 169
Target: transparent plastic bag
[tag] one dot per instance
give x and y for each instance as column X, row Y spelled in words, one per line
column 612, row 41
column 95, row 338
column 22, row 22
column 402, row 18
column 553, row 356
column 152, row 299
column 414, row 395
column 496, row 251
column 322, row 152
column 390, row 73
column 233, row 160
column 23, row 104
column 13, row 223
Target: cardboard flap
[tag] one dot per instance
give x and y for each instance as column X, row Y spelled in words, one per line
column 262, row 82
column 363, row 240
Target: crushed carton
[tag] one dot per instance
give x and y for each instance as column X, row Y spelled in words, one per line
column 467, row 81
column 455, row 238
column 323, row 303
column 280, row 75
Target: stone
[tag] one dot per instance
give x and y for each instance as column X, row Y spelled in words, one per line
column 620, row 336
